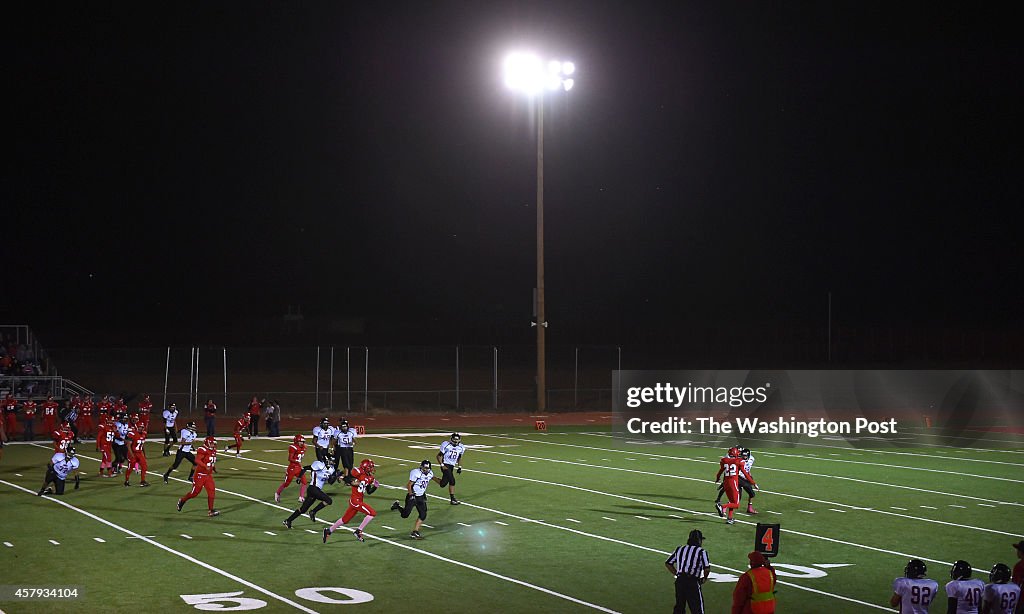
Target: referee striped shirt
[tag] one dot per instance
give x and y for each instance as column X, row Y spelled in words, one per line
column 689, row 560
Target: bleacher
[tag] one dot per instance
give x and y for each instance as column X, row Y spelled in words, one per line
column 29, row 372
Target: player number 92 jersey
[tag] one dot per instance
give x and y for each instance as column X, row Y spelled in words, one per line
column 915, row 594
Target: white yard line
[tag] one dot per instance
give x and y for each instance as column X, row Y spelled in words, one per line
column 149, row 541
column 458, row 563
column 773, row 492
column 761, row 468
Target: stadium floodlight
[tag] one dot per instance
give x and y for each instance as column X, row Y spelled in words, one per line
column 526, row 73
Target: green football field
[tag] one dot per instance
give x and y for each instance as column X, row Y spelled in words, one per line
column 569, row 520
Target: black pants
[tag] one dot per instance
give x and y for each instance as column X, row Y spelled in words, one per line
column 30, row 434
column 120, row 455
column 170, row 435
column 343, row 457
column 447, row 475
column 313, row 493
column 210, row 423
column 322, row 454
column 51, row 477
column 688, row 593
column 177, row 460
column 420, row 503
column 254, row 426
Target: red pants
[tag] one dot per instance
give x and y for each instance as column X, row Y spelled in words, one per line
column 48, row 424
column 732, row 491
column 85, row 424
column 291, row 474
column 238, row 442
column 10, row 423
column 353, row 509
column 200, row 482
column 106, row 453
column 139, row 460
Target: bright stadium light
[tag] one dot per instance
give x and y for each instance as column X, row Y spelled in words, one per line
column 525, row 72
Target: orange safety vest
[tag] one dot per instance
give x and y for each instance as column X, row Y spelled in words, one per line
column 762, row 597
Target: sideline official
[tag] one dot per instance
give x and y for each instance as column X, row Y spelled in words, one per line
column 691, row 567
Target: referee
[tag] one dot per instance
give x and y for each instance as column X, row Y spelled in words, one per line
column 690, row 565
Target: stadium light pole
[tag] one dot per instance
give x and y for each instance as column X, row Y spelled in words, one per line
column 527, row 74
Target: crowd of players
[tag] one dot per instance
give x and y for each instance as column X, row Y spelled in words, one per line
column 121, row 440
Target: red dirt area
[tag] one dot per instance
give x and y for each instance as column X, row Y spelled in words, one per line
column 454, row 422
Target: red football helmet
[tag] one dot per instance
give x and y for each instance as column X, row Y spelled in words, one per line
column 299, row 439
column 210, row 442
column 367, row 466
column 65, row 425
column 734, row 452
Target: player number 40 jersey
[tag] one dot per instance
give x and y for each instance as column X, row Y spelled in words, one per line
column 915, row 594
column 967, row 594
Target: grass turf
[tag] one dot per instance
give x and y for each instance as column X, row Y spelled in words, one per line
column 563, row 521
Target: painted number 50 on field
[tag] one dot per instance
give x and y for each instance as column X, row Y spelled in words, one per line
column 235, row 602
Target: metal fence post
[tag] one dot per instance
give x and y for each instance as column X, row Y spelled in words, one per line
column 576, row 379
column 495, row 395
column 190, row 403
column 225, row 379
column 366, row 381
column 348, row 378
column 167, row 369
column 456, row 378
column 316, row 394
column 330, row 394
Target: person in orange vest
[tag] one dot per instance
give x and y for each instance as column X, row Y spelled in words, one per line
column 755, row 590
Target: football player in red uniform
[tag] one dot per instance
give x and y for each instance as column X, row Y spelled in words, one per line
column 363, row 483
column 105, row 444
column 145, row 409
column 732, row 467
column 295, row 453
column 137, row 452
column 104, row 408
column 62, row 437
column 85, row 418
column 29, row 416
column 49, row 408
column 206, row 460
column 120, row 407
column 240, row 428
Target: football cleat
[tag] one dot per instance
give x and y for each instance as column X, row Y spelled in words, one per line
column 359, row 535
column 302, row 499
column 415, row 535
column 751, row 510
column 213, row 513
column 395, row 506
column 456, row 501
column 730, row 521
column 277, row 497
column 718, row 507
column 143, row 484
column 126, row 483
column 312, row 515
column 165, row 480
column 181, row 504
column 915, row 568
column 287, row 523
column 327, row 533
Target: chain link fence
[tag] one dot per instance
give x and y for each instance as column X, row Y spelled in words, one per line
column 350, row 379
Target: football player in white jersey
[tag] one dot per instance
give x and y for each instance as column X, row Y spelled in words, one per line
column 188, row 437
column 57, row 470
column 322, row 436
column 416, row 496
column 321, row 473
column 1000, row 596
column 963, row 592
column 344, row 450
column 170, row 429
column 914, row 592
column 449, row 458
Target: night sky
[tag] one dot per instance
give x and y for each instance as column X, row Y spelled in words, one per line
column 178, row 169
